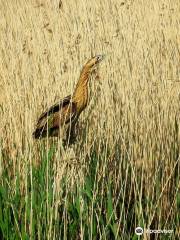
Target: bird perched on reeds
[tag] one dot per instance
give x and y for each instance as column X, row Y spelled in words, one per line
column 61, row 118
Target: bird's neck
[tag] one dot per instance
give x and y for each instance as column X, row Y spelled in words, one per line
column 80, row 95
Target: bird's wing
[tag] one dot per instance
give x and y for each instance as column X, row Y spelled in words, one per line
column 57, row 115
column 56, row 107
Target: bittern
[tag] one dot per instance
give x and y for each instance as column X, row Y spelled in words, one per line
column 63, row 116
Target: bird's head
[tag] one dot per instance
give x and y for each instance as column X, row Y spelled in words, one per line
column 94, row 61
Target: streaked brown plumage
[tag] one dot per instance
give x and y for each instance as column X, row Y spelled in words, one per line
column 62, row 117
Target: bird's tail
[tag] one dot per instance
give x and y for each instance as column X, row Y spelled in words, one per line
column 38, row 133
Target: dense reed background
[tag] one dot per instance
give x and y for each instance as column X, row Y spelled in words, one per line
column 123, row 171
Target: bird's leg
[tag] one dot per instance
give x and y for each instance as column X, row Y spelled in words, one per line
column 72, row 133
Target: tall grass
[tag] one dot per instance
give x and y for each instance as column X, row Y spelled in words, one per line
column 123, row 171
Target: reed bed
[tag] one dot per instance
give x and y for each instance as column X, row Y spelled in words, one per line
column 124, row 169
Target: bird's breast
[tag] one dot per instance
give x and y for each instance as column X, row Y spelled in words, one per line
column 83, row 101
